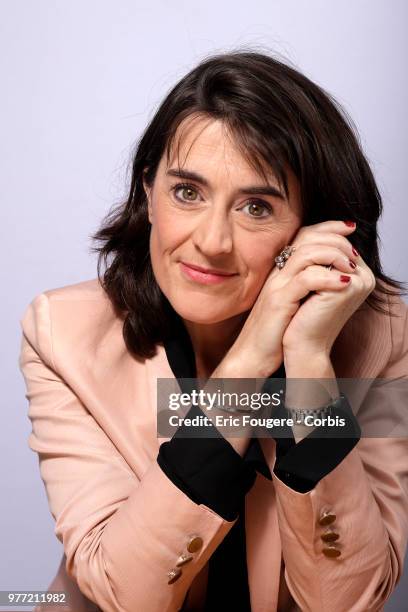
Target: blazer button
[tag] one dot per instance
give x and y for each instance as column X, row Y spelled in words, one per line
column 174, row 575
column 327, row 518
column 183, row 559
column 330, row 536
column 194, row 543
column 331, row 551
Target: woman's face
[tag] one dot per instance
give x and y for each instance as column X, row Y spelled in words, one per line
column 215, row 220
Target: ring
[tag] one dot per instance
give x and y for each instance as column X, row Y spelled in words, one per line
column 280, row 260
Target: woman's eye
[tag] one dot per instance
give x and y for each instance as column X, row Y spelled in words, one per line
column 257, row 207
column 186, row 192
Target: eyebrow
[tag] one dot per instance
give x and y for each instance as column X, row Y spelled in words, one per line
column 252, row 190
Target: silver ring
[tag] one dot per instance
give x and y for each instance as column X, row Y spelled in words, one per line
column 284, row 255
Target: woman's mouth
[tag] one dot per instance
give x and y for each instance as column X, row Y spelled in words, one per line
column 203, row 275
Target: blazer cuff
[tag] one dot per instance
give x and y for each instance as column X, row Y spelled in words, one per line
column 301, row 466
column 207, row 469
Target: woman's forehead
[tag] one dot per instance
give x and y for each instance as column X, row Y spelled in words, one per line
column 199, row 135
column 192, row 131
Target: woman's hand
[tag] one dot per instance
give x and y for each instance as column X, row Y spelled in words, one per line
column 319, row 320
column 279, row 323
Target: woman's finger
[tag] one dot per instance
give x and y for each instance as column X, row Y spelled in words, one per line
column 309, row 254
column 337, row 227
column 329, row 239
column 315, row 278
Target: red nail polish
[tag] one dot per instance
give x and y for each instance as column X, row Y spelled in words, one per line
column 352, row 264
column 356, row 253
column 350, row 223
column 344, row 278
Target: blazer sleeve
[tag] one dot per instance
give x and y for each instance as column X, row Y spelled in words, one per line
column 367, row 493
column 207, row 469
column 121, row 532
column 302, row 465
column 210, row 471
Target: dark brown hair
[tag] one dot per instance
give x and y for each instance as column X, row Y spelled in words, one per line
column 278, row 117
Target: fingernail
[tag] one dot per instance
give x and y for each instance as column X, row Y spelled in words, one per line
column 352, row 264
column 344, row 278
column 356, row 253
column 350, row 223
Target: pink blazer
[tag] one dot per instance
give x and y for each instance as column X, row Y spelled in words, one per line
column 123, row 523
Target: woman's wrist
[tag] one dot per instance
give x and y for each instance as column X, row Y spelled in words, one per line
column 307, row 364
column 310, row 384
column 237, row 364
column 310, row 381
column 245, row 363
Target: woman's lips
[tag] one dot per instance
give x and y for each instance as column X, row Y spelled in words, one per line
column 206, row 278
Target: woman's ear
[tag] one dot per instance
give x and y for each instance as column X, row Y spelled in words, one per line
column 148, row 192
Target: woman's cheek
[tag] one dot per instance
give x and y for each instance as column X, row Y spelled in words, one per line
column 261, row 260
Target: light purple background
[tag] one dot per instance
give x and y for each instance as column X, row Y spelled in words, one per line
column 79, row 82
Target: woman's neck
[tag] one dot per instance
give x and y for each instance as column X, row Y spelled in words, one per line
column 211, row 342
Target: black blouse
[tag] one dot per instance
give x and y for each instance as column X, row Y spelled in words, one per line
column 222, row 484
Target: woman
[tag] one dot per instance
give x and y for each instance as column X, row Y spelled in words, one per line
column 247, row 248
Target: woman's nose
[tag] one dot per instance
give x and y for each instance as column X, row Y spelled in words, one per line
column 212, row 234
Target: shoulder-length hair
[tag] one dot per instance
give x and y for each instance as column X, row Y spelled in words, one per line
column 278, row 117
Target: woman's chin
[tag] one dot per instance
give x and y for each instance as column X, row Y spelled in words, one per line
column 203, row 316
